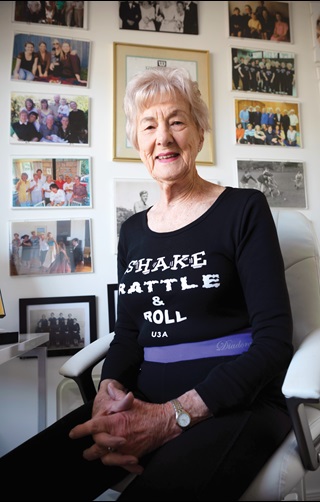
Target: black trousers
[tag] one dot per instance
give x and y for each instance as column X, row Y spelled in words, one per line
column 215, row 460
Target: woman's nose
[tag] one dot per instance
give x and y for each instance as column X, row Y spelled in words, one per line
column 164, row 136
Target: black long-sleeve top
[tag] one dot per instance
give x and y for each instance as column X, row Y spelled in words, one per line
column 215, row 276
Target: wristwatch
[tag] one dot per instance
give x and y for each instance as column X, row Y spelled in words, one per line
column 183, row 418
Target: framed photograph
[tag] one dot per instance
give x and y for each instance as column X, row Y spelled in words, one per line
column 69, row 320
column 268, row 123
column 53, row 119
column 51, row 60
column 45, row 247
column 315, row 26
column 268, row 72
column 132, row 196
column 67, row 14
column 260, row 21
column 112, row 291
column 130, row 59
column 168, row 17
column 282, row 182
column 51, row 182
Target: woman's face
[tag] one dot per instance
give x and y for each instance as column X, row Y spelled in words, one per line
column 168, row 139
column 65, row 47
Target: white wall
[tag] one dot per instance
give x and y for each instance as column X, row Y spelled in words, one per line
column 18, row 413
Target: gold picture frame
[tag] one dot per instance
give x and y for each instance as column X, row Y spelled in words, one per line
column 128, row 59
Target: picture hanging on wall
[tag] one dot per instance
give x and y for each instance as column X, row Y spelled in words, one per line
column 52, row 60
column 51, row 182
column 265, row 122
column 260, row 20
column 315, row 26
column 132, row 196
column 269, row 72
column 67, row 14
column 166, row 17
column 49, row 118
column 46, row 247
column 282, row 182
column 69, row 320
column 130, row 59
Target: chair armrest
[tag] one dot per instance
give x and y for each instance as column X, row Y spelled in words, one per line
column 79, row 367
column 302, row 386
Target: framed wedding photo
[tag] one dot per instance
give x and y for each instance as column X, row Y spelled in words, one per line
column 282, row 182
column 53, row 119
column 32, row 178
column 268, row 21
column 46, row 247
column 130, row 59
column 50, row 60
column 64, row 14
column 264, row 71
column 165, row 17
column 69, row 320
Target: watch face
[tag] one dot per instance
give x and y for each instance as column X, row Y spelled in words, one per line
column 184, row 420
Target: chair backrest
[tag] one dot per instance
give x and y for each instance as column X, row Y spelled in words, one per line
column 300, row 252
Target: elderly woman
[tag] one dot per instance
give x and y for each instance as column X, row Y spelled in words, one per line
column 191, row 386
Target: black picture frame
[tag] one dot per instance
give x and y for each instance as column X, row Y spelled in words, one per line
column 31, row 311
column 112, row 290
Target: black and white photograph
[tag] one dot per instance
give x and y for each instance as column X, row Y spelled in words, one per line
column 69, row 320
column 167, row 17
column 268, row 72
column 49, row 118
column 282, row 182
column 270, row 123
column 51, row 182
column 67, row 14
column 47, row 247
column 132, row 196
column 315, row 26
column 51, row 60
column 260, row 20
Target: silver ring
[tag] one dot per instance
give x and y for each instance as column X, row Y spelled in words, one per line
column 110, row 449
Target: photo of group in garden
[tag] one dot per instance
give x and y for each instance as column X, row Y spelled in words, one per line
column 272, row 123
column 46, row 59
column 49, row 118
column 69, row 14
column 258, row 70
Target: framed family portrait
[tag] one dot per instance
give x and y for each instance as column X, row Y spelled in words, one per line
column 55, row 182
column 69, row 320
column 315, row 26
column 165, row 17
column 282, row 182
column 130, row 59
column 267, row 123
column 51, row 60
column 45, row 247
column 260, row 21
column 67, row 14
column 132, row 196
column 265, row 71
column 53, row 119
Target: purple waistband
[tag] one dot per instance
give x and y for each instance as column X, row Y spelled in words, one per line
column 225, row 346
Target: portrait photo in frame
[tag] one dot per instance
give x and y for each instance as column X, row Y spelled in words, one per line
column 54, row 60
column 35, row 119
column 282, row 182
column 282, row 116
column 265, row 71
column 165, row 17
column 112, row 294
column 130, row 59
column 67, row 14
column 132, row 196
column 45, row 247
column 33, row 176
column 270, row 21
column 69, row 320
column 315, row 26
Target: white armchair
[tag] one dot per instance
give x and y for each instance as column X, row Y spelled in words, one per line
column 283, row 475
